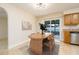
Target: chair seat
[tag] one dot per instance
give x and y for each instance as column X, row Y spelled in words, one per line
column 46, row 44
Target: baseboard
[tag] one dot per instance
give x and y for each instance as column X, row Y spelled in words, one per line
column 18, row 45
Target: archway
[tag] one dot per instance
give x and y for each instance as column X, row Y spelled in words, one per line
column 3, row 29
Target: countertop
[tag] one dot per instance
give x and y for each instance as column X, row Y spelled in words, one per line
column 71, row 30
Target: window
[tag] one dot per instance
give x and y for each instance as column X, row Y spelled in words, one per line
column 47, row 22
column 53, row 26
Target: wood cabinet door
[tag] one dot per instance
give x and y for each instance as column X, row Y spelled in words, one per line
column 67, row 37
column 75, row 19
column 67, row 19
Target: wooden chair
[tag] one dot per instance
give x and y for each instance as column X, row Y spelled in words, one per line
column 49, row 42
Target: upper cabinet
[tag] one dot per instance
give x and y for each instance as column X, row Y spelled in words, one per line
column 71, row 19
column 67, row 19
column 75, row 19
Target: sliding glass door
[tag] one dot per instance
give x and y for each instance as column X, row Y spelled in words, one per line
column 53, row 26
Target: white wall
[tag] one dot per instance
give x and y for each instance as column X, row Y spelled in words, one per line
column 15, row 16
column 3, row 27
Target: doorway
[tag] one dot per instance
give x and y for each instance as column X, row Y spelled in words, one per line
column 3, row 29
column 53, row 26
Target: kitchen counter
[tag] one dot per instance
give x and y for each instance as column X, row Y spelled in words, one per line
column 71, row 30
column 67, row 34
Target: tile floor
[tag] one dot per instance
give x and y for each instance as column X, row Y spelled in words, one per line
column 67, row 49
column 24, row 50
column 61, row 49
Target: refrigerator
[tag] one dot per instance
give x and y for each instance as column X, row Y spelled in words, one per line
column 75, row 38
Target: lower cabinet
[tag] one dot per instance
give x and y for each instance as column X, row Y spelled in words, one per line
column 67, row 37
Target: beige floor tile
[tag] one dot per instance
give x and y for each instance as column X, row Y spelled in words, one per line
column 68, row 49
column 64, row 49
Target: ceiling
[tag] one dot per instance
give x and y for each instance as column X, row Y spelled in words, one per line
column 52, row 8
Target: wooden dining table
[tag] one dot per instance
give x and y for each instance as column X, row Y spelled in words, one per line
column 36, row 42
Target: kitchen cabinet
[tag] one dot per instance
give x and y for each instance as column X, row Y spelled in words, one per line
column 75, row 19
column 71, row 19
column 67, row 19
column 67, row 37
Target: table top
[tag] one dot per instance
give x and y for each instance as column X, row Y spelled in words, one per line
column 38, row 36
